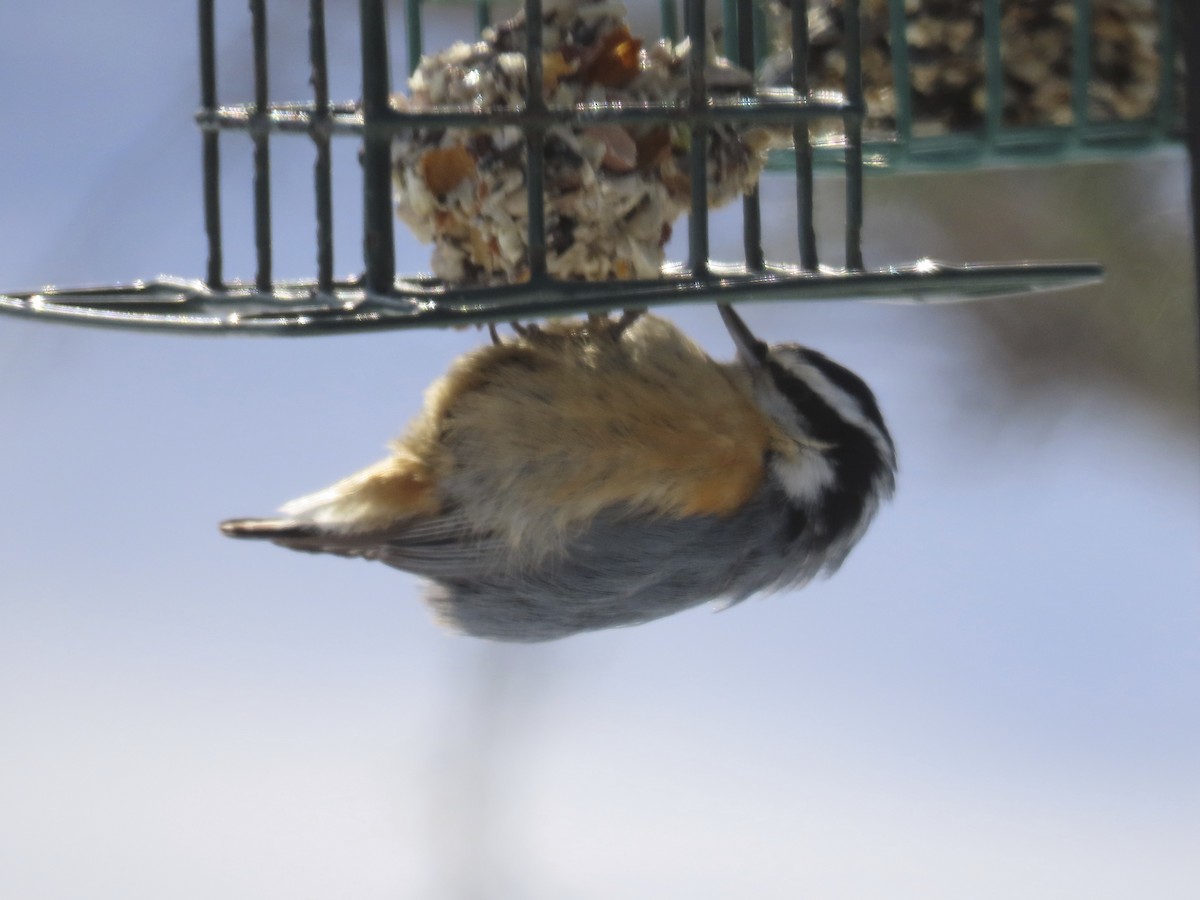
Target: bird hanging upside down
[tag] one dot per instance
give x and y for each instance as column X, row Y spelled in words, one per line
column 605, row 472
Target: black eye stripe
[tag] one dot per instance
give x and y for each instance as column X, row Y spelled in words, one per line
column 854, row 455
column 846, row 381
column 824, row 421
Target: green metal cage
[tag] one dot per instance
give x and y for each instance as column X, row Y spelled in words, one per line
column 382, row 298
column 1095, row 45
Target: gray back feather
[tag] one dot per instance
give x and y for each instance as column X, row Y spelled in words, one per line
column 621, row 570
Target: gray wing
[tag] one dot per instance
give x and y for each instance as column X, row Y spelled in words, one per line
column 624, row 570
column 621, row 569
column 436, row 547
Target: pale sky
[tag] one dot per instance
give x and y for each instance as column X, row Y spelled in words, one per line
column 996, row 697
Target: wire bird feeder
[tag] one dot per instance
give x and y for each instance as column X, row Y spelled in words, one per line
column 380, row 299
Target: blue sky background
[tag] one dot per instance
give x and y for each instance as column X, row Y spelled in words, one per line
column 996, row 697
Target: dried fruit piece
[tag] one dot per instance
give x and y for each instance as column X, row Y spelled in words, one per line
column 653, row 147
column 554, row 69
column 616, row 64
column 444, row 168
column 620, row 151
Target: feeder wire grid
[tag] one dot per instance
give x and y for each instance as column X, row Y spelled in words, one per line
column 378, row 298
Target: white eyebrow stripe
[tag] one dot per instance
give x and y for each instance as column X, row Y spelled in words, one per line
column 840, row 401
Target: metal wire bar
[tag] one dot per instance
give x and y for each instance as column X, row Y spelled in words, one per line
column 1165, row 108
column 262, row 148
column 298, row 309
column 729, row 30
column 210, row 147
column 751, row 207
column 379, row 251
column 767, row 107
column 901, row 76
column 761, row 41
column 348, row 118
column 853, row 119
column 670, row 21
column 993, row 72
column 697, row 31
column 535, row 142
column 1190, row 40
column 802, row 139
column 322, row 169
column 412, row 33
column 1081, row 67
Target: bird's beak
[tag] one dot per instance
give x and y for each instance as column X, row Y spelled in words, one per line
column 751, row 350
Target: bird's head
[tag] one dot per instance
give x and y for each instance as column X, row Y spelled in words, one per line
column 837, row 461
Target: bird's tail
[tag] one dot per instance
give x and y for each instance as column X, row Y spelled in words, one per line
column 308, row 537
column 304, row 536
column 267, row 529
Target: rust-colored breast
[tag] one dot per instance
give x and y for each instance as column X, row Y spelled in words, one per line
column 563, row 428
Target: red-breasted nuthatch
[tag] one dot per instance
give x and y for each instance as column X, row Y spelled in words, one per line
column 605, row 472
